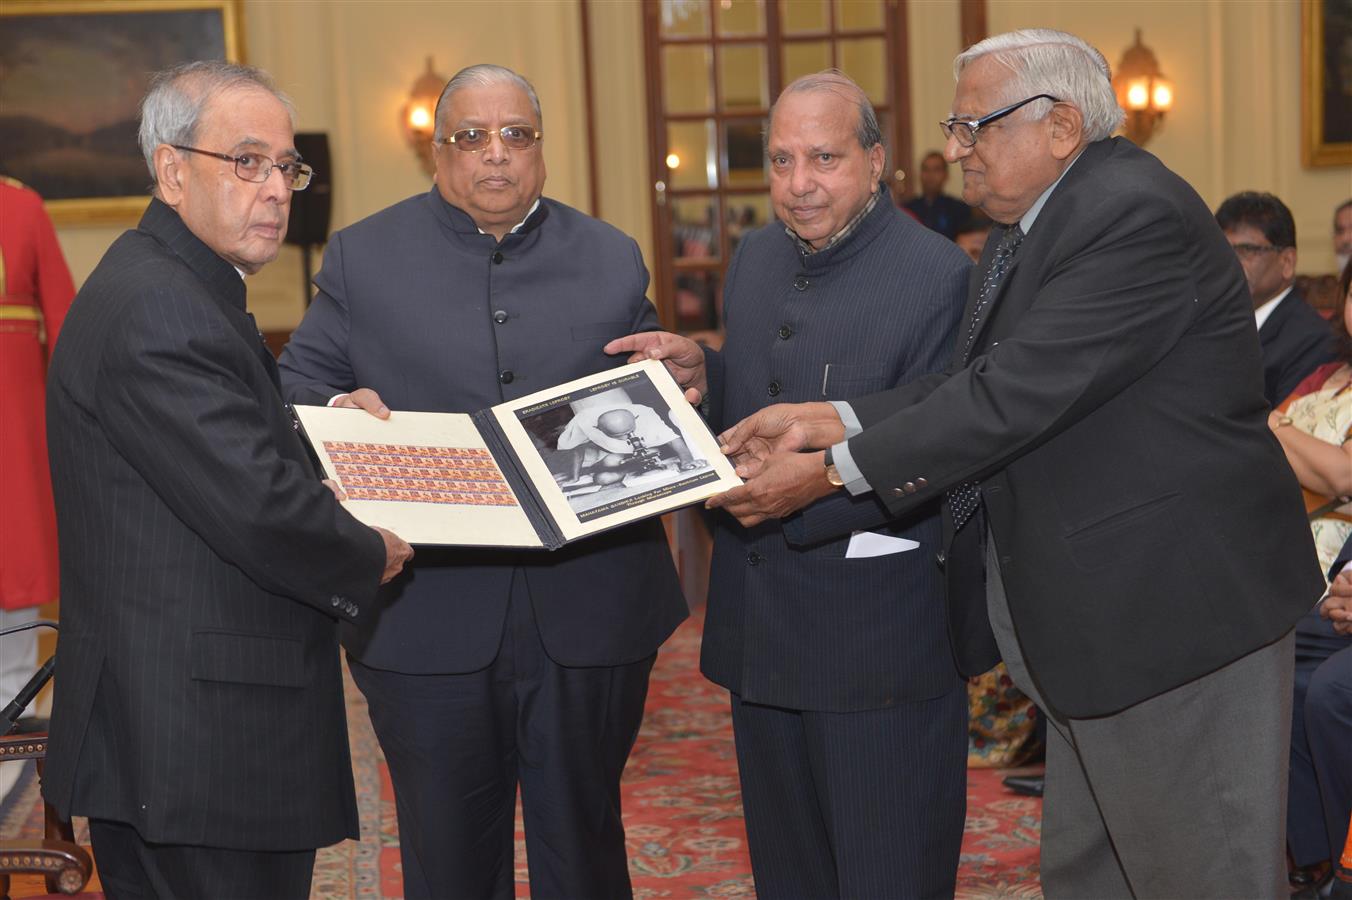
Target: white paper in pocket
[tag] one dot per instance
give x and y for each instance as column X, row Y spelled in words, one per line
column 864, row 544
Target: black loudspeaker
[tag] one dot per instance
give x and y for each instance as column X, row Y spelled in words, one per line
column 311, row 208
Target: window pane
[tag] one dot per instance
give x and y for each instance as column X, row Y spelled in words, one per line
column 687, row 83
column 805, row 57
column 699, row 301
column 685, row 18
column 740, row 17
column 798, row 16
column 742, row 77
column 691, row 162
column 746, row 212
column 694, row 227
column 858, row 15
column 745, row 148
column 865, row 60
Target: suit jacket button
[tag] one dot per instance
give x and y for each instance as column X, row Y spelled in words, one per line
column 773, row 389
column 920, row 482
column 785, row 332
column 500, row 316
column 898, row 492
column 909, row 487
column 800, row 283
column 506, row 376
column 335, row 600
column 497, row 257
column 754, row 559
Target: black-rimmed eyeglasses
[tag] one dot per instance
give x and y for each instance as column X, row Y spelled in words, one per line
column 965, row 130
column 257, row 168
column 474, row 140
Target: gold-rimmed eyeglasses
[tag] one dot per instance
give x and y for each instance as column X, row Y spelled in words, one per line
column 257, row 168
column 474, row 140
column 965, row 130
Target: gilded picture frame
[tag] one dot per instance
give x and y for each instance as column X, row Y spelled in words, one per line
column 72, row 75
column 1326, row 82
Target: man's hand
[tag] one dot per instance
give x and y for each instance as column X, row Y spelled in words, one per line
column 367, row 399
column 336, row 488
column 1338, row 607
column 784, row 483
column 782, row 428
column 397, row 552
column 683, row 358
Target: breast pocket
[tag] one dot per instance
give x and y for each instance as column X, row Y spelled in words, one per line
column 599, row 331
column 844, row 381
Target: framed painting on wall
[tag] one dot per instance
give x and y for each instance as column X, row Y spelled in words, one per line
column 1326, row 83
column 72, row 75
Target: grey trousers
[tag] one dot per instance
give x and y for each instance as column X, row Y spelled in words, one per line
column 1181, row 795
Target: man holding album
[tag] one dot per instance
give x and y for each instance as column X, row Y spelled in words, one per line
column 485, row 668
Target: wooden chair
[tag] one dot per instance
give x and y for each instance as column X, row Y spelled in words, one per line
column 64, row 864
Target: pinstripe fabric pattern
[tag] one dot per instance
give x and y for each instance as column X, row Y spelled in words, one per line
column 198, row 696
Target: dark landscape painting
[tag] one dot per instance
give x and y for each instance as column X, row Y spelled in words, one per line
column 70, row 84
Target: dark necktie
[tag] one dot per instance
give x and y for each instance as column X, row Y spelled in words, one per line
column 965, row 498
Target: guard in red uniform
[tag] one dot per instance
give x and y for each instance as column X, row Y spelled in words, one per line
column 35, row 292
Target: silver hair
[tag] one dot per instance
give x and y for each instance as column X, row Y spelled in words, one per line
column 172, row 109
column 836, row 81
column 483, row 75
column 1044, row 61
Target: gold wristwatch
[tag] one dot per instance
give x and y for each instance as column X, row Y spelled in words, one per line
column 832, row 473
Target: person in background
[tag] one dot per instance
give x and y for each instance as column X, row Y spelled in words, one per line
column 936, row 210
column 1314, row 426
column 35, row 292
column 971, row 237
column 198, row 715
column 1294, row 339
column 1342, row 234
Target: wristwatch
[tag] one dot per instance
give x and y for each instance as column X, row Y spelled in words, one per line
column 832, row 473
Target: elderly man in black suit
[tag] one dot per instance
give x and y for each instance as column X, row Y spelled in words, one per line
column 1102, row 429
column 485, row 669
column 198, row 719
column 848, row 710
column 1294, row 339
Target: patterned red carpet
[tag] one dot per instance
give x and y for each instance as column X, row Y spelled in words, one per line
column 682, row 808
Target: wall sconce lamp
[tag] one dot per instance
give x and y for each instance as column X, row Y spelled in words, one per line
column 1143, row 91
column 416, row 116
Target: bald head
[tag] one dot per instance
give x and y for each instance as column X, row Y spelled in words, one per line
column 836, row 82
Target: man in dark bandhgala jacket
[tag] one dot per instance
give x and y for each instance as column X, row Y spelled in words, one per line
column 848, row 710
column 198, row 719
column 484, row 668
column 1102, row 431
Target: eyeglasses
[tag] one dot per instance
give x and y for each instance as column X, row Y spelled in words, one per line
column 474, row 140
column 257, row 168
column 1249, row 251
column 965, row 130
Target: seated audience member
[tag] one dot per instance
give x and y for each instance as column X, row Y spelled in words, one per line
column 1294, row 338
column 936, row 210
column 1314, row 426
column 971, row 237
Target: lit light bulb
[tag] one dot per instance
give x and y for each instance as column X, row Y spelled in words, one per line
column 419, row 117
column 1163, row 97
column 1138, row 95
column 673, row 161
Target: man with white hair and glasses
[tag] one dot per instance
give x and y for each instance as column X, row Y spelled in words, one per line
column 1100, row 443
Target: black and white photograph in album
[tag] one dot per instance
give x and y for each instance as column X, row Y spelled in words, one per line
column 613, row 446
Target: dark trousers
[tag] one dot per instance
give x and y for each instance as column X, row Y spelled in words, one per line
column 854, row 805
column 1308, row 834
column 130, row 867
column 457, row 745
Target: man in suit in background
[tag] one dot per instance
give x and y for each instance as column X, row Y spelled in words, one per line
column 935, row 209
column 485, row 668
column 1103, row 430
column 198, row 719
column 849, row 714
column 1295, row 340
